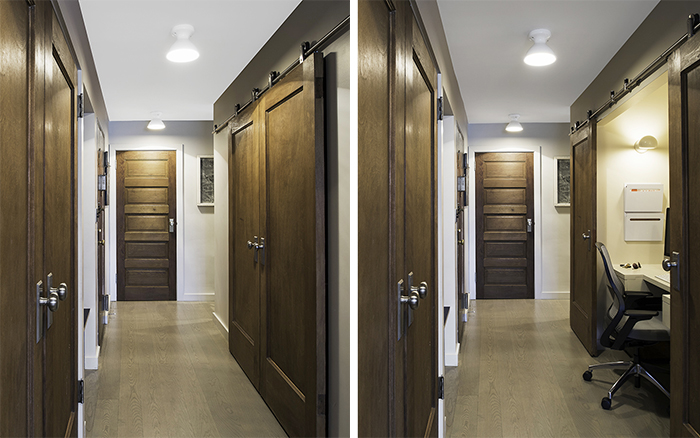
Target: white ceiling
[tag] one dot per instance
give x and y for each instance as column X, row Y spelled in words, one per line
column 488, row 40
column 129, row 40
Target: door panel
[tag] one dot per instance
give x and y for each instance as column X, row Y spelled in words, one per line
column 504, row 247
column 293, row 271
column 420, row 219
column 244, row 224
column 583, row 300
column 16, row 315
column 376, row 24
column 146, row 202
column 684, row 157
column 59, row 364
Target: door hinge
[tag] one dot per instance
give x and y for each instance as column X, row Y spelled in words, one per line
column 441, row 388
column 81, row 391
column 81, row 105
column 439, row 108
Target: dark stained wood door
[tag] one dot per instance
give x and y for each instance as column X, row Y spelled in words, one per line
column 583, row 291
column 277, row 248
column 462, row 193
column 56, row 229
column 377, row 315
column 17, row 316
column 684, row 162
column 293, row 271
column 397, row 363
column 102, row 300
column 245, row 258
column 146, row 246
column 419, row 233
column 504, row 225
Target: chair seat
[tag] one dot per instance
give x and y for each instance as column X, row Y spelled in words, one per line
column 650, row 330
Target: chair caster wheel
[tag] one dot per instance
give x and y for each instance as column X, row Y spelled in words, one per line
column 605, row 403
column 587, row 376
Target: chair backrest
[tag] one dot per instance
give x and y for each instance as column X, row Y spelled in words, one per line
column 617, row 309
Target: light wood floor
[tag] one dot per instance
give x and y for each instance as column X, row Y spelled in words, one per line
column 165, row 370
column 519, row 374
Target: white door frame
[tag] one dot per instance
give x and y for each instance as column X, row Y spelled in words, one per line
column 537, row 188
column 179, row 188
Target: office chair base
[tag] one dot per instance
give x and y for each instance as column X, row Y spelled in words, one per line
column 636, row 370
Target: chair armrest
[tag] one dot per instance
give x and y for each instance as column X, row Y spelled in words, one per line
column 642, row 301
column 640, row 315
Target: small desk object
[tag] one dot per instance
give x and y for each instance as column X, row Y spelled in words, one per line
column 645, row 279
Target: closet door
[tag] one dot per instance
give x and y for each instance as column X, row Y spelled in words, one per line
column 244, row 235
column 293, row 379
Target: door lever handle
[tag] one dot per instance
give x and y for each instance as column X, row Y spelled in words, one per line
column 171, row 227
column 529, row 225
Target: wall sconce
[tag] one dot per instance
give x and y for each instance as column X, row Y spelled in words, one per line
column 646, row 143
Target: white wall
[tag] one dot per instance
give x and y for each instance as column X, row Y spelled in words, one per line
column 547, row 140
column 196, row 223
column 88, row 231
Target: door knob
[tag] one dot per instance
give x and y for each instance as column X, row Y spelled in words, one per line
column 586, row 235
column 251, row 245
column 51, row 302
column 61, row 291
column 421, row 290
column 529, row 225
column 667, row 264
column 412, row 300
column 101, row 242
column 171, row 227
column 460, row 242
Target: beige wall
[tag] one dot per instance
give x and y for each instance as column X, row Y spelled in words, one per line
column 646, row 113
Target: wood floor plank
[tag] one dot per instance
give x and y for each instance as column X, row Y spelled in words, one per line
column 519, row 374
column 165, row 370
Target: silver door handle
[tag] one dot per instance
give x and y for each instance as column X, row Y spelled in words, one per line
column 412, row 300
column 172, row 225
column 51, row 302
column 667, row 264
column 529, row 225
column 61, row 291
column 586, row 235
column 421, row 290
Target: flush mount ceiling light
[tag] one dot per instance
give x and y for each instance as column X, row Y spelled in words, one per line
column 646, row 143
column 514, row 125
column 540, row 54
column 183, row 50
column 156, row 122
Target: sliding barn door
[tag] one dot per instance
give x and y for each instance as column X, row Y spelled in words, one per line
column 277, row 229
column 684, row 150
column 397, row 224
column 583, row 300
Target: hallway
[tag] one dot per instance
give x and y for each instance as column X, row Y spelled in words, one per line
column 520, row 375
column 165, row 370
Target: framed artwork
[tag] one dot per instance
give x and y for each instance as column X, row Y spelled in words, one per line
column 562, row 186
column 205, row 180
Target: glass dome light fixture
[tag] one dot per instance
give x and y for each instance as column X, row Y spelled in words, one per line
column 182, row 50
column 514, row 125
column 156, row 122
column 646, row 143
column 540, row 54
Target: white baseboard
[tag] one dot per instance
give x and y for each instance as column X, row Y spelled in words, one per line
column 220, row 324
column 91, row 362
column 202, row 296
column 561, row 295
column 452, row 359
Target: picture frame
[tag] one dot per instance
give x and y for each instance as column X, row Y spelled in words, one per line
column 562, row 181
column 205, row 180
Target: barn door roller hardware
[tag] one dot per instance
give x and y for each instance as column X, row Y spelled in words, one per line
column 305, row 50
column 629, row 85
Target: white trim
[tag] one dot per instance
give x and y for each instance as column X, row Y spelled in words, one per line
column 537, row 189
column 220, row 324
column 442, row 419
column 91, row 362
column 452, row 359
column 80, row 326
column 554, row 295
column 180, row 199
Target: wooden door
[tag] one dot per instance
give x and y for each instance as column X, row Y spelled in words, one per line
column 245, row 258
column 583, row 312
column 293, row 266
column 684, row 156
column 397, row 363
column 378, row 80
column 146, row 241
column 56, row 231
column 462, row 194
column 417, row 223
column 102, row 300
column 505, row 249
column 17, row 315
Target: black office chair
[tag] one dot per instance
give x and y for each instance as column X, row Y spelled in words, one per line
column 627, row 327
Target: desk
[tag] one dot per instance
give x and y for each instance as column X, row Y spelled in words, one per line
column 640, row 279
